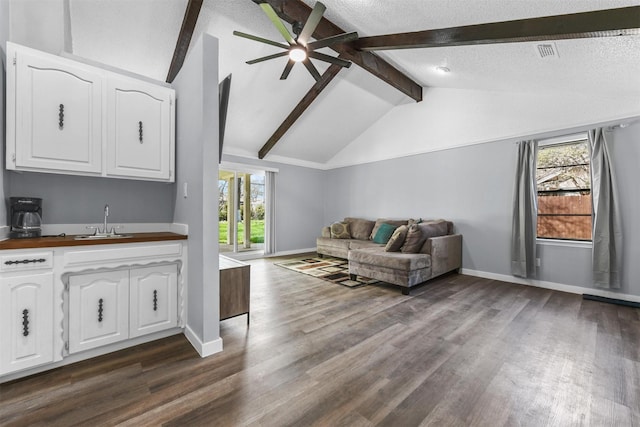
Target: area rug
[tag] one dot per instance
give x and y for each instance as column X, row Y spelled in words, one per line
column 334, row 270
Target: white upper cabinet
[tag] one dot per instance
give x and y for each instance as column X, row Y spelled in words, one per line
column 67, row 117
column 58, row 109
column 139, row 130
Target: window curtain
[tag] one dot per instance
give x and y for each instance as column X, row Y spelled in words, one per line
column 270, row 213
column 525, row 212
column 606, row 224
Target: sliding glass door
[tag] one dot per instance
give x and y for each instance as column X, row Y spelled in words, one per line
column 241, row 211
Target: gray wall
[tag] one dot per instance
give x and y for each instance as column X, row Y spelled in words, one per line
column 80, row 200
column 299, row 203
column 473, row 187
column 197, row 166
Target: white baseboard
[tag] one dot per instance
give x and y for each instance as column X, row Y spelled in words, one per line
column 551, row 285
column 292, row 252
column 204, row 349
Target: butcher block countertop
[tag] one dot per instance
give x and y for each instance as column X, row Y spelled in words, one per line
column 69, row 240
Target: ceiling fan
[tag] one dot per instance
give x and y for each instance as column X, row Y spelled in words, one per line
column 299, row 48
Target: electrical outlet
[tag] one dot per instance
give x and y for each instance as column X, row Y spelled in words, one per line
column 537, row 262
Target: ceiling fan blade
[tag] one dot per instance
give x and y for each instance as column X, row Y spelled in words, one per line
column 340, row 38
column 273, row 16
column 312, row 69
column 330, row 59
column 266, row 58
column 260, row 39
column 287, row 69
column 312, row 22
column 598, row 23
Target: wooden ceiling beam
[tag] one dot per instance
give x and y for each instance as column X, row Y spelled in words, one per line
column 306, row 101
column 599, row 23
column 184, row 38
column 296, row 11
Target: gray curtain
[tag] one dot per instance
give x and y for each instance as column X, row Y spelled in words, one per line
column 607, row 229
column 270, row 213
column 525, row 212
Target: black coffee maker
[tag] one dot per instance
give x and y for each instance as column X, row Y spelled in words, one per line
column 26, row 217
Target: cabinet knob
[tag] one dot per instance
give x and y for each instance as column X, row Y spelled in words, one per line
column 140, row 131
column 61, row 116
column 155, row 300
column 100, row 309
column 25, row 322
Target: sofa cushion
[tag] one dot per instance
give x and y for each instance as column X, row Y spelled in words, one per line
column 380, row 221
column 397, row 239
column 414, row 240
column 333, row 243
column 360, row 228
column 340, row 230
column 384, row 233
column 393, row 260
column 359, row 244
column 434, row 228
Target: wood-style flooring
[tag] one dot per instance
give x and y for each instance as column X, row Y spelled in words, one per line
column 459, row 351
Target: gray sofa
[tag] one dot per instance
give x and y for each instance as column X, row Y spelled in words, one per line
column 441, row 252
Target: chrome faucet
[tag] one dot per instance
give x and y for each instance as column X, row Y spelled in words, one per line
column 106, row 214
column 105, row 232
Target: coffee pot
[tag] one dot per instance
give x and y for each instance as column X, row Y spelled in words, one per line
column 26, row 217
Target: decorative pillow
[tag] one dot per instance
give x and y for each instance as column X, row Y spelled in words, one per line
column 397, row 239
column 380, row 221
column 384, row 233
column 413, row 242
column 359, row 228
column 340, row 230
column 434, row 228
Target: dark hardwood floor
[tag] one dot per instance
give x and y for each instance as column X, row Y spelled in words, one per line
column 459, row 351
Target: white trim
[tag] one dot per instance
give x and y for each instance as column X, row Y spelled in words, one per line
column 564, row 139
column 4, row 232
column 242, row 167
column 204, row 349
column 565, row 243
column 292, row 252
column 179, row 228
column 551, row 285
column 276, row 159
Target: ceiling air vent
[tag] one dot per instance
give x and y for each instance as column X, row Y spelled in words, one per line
column 547, row 50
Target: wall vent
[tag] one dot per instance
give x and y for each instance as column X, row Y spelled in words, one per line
column 547, row 50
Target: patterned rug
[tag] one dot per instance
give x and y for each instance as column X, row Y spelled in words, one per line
column 334, row 270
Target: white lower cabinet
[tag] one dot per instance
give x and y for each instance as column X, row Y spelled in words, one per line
column 111, row 306
column 153, row 303
column 98, row 309
column 26, row 316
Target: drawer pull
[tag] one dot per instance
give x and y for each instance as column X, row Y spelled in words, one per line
column 100, row 309
column 140, row 131
column 25, row 261
column 155, row 300
column 61, row 117
column 25, row 322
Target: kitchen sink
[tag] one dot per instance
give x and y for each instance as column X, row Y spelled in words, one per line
column 102, row 236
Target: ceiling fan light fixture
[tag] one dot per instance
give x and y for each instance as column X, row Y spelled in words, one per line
column 297, row 54
column 443, row 70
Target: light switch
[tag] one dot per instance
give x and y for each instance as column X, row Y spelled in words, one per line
column 185, row 192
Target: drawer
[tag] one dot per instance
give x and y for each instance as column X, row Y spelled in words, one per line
column 26, row 261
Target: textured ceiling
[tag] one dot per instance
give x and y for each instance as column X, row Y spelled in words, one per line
column 140, row 36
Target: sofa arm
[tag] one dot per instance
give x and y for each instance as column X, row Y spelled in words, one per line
column 446, row 253
column 326, row 232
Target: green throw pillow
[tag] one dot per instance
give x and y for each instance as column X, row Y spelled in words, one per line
column 384, row 233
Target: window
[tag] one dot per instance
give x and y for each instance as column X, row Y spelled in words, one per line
column 563, row 178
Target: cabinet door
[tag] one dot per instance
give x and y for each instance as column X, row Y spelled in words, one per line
column 98, row 309
column 139, row 130
column 26, row 322
column 58, row 114
column 154, row 295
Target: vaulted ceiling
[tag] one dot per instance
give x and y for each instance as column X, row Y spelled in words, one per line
column 141, row 35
